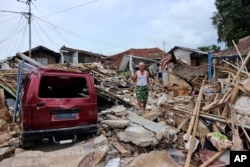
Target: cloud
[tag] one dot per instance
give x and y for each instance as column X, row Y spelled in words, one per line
column 111, row 26
column 186, row 23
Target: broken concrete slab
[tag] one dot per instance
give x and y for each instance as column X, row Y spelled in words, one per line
column 115, row 162
column 126, row 160
column 94, row 142
column 112, row 117
column 116, row 123
column 169, row 132
column 177, row 155
column 119, row 110
column 151, row 115
column 154, row 158
column 87, row 154
column 137, row 135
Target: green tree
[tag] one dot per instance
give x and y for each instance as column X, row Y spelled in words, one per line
column 210, row 48
column 232, row 20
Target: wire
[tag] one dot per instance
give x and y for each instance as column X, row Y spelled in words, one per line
column 51, row 26
column 80, row 36
column 22, row 39
column 7, row 11
column 54, row 29
column 47, row 34
column 14, row 32
column 77, row 6
column 36, row 31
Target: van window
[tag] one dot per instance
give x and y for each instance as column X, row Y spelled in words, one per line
column 63, row 87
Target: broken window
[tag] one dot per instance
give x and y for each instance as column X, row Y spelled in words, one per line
column 63, row 87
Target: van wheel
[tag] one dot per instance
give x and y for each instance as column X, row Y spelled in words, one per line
column 27, row 143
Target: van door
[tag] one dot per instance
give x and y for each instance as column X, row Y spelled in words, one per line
column 64, row 100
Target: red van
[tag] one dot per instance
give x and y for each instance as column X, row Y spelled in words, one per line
column 57, row 103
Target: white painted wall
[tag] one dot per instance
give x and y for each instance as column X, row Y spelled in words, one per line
column 75, row 57
column 165, row 78
column 183, row 55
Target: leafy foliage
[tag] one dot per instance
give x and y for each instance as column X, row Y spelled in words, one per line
column 232, row 20
column 211, row 48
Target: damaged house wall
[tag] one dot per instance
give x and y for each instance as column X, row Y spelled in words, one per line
column 174, row 79
column 151, row 65
column 192, row 57
column 147, row 53
column 71, row 55
column 44, row 55
column 187, row 68
column 230, row 59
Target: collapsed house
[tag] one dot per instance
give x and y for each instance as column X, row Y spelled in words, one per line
column 230, row 58
column 177, row 128
column 155, row 54
column 72, row 56
column 184, row 68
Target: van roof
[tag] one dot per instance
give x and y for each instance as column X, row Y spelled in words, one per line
column 42, row 70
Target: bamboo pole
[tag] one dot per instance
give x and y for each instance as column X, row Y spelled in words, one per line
column 193, row 116
column 245, row 132
column 211, row 159
column 242, row 66
column 239, row 54
column 192, row 143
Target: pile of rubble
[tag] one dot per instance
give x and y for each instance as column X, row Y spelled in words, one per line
column 177, row 128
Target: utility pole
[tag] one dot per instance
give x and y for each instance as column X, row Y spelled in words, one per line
column 28, row 15
column 163, row 44
column 29, row 22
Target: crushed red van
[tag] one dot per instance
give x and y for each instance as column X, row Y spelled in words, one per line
column 57, row 105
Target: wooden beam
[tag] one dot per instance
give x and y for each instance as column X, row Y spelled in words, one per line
column 213, row 158
column 192, row 144
column 193, row 116
column 239, row 54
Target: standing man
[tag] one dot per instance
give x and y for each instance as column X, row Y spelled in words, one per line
column 141, row 78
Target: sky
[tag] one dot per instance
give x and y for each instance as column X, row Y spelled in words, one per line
column 107, row 26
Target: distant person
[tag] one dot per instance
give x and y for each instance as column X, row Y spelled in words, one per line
column 141, row 78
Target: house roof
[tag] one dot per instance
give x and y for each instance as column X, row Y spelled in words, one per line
column 43, row 48
column 64, row 48
column 188, row 49
column 147, row 53
column 243, row 46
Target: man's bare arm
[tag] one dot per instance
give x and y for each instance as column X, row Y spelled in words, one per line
column 134, row 77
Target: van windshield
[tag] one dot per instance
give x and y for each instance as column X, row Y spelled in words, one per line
column 63, row 87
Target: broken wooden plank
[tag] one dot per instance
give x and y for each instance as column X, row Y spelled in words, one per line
column 242, row 67
column 193, row 116
column 184, row 121
column 239, row 55
column 121, row 149
column 213, row 158
column 2, row 99
column 237, row 142
column 192, row 144
column 6, row 152
column 245, row 132
column 240, row 87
